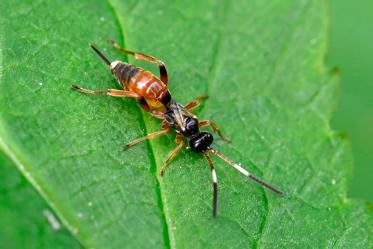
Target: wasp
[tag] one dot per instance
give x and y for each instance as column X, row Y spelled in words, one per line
column 153, row 95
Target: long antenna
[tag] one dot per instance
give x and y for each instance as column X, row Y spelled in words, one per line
column 215, row 185
column 100, row 54
column 245, row 172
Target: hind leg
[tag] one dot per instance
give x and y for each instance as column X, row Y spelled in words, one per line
column 141, row 56
column 110, row 92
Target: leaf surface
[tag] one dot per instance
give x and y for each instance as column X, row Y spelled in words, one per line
column 262, row 66
column 27, row 221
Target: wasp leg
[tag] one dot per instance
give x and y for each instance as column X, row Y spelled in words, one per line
column 110, row 92
column 149, row 136
column 157, row 114
column 195, row 103
column 180, row 143
column 214, row 184
column 214, row 127
column 141, row 56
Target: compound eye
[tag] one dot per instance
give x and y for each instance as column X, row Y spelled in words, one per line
column 191, row 126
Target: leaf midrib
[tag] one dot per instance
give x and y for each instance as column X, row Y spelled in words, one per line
column 167, row 233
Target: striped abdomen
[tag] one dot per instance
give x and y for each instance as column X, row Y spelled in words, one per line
column 123, row 72
column 153, row 92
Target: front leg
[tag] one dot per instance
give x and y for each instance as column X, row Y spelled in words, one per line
column 214, row 127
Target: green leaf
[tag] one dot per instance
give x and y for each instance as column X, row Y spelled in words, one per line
column 262, row 66
column 24, row 215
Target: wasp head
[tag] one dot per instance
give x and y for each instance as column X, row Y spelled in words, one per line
column 201, row 142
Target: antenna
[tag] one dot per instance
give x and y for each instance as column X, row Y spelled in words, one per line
column 245, row 172
column 215, row 185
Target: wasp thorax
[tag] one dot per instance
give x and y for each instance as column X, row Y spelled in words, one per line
column 201, row 142
column 191, row 126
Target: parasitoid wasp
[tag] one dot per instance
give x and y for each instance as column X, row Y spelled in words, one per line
column 153, row 95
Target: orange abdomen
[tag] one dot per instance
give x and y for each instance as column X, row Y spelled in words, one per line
column 153, row 91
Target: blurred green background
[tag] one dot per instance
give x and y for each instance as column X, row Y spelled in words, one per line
column 351, row 50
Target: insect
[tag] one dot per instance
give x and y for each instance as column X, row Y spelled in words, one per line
column 153, row 95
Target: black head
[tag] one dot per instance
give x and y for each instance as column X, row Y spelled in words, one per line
column 201, row 142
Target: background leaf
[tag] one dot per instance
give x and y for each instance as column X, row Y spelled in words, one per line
column 262, row 66
column 350, row 50
column 24, row 214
